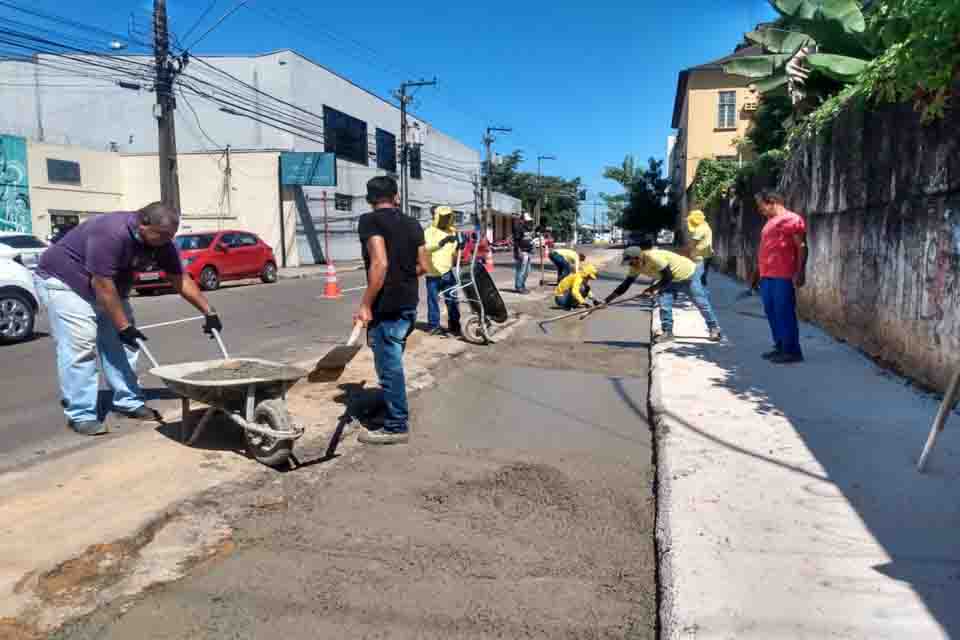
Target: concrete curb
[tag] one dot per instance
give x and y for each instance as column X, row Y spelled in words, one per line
column 663, row 478
column 316, row 273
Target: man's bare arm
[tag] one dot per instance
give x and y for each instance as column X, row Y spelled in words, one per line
column 109, row 299
column 189, row 291
column 423, row 261
column 800, row 241
column 376, row 276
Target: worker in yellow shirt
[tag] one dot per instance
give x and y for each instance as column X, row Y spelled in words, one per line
column 574, row 290
column 672, row 274
column 699, row 244
column 566, row 261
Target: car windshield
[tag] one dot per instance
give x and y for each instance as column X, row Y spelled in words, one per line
column 22, row 242
column 193, row 243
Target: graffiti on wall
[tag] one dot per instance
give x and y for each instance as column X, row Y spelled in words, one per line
column 14, row 185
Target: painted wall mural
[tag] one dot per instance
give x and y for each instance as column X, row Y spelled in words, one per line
column 14, row 185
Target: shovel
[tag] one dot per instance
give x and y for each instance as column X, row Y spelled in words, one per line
column 331, row 366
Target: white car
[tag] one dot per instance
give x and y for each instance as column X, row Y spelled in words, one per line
column 22, row 247
column 19, row 304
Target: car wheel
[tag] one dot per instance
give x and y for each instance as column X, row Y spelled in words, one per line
column 209, row 279
column 17, row 316
column 269, row 272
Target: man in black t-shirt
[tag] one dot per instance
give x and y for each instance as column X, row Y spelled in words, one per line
column 395, row 256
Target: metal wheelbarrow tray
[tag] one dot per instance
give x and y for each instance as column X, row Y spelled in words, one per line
column 256, row 405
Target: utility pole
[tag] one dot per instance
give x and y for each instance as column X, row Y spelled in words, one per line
column 488, row 141
column 405, row 99
column 167, row 148
column 228, row 183
column 537, row 212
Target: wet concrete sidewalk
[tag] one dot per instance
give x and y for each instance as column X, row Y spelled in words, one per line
column 522, row 508
column 792, row 506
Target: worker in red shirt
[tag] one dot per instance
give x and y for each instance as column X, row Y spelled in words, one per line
column 782, row 266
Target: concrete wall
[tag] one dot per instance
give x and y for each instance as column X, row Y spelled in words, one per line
column 881, row 194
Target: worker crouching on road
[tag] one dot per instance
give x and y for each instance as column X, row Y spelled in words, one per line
column 673, row 274
column 395, row 256
column 84, row 282
column 699, row 244
column 574, row 290
column 566, row 261
column 441, row 243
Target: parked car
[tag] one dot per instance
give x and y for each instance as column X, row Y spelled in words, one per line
column 215, row 257
column 19, row 303
column 503, row 245
column 547, row 240
column 22, row 247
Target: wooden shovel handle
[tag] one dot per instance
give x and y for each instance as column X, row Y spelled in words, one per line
column 355, row 334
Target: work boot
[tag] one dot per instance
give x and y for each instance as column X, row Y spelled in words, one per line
column 787, row 358
column 715, row 334
column 455, row 331
column 770, row 355
column 88, row 427
column 382, row 436
column 665, row 337
column 143, row 412
column 437, row 332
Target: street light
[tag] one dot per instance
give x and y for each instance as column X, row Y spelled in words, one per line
column 540, row 160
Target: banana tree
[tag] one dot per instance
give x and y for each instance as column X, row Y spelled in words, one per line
column 818, row 45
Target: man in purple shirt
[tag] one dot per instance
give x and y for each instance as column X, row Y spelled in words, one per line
column 84, row 282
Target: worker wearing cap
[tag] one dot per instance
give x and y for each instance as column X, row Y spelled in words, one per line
column 673, row 274
column 566, row 261
column 522, row 251
column 441, row 243
column 574, row 290
column 699, row 244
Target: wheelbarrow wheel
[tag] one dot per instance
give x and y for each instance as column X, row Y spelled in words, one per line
column 474, row 331
column 266, row 450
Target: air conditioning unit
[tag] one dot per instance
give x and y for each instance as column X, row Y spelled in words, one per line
column 750, row 105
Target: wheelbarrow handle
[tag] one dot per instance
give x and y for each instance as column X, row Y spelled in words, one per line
column 143, row 347
column 355, row 334
column 223, row 349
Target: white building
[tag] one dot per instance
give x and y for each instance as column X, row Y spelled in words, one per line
column 247, row 101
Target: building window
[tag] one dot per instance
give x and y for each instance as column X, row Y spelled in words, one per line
column 63, row 171
column 343, row 202
column 345, row 136
column 460, row 217
column 416, row 170
column 416, row 212
column 386, row 151
column 727, row 114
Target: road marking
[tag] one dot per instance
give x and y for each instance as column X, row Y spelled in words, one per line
column 167, row 324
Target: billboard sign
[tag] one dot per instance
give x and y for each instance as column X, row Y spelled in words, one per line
column 308, row 169
column 14, row 186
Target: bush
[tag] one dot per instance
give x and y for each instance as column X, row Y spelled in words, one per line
column 712, row 182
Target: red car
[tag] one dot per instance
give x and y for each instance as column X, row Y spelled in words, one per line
column 214, row 257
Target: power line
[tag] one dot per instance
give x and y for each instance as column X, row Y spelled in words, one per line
column 203, row 16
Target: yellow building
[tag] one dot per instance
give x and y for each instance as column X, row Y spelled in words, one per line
column 710, row 111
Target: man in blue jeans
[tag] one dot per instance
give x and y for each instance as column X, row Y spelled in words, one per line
column 522, row 252
column 441, row 243
column 395, row 256
column 673, row 274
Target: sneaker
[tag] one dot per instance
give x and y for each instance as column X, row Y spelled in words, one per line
column 437, row 332
column 88, row 427
column 770, row 355
column 143, row 412
column 455, row 331
column 716, row 335
column 666, row 336
column 786, row 358
column 384, row 437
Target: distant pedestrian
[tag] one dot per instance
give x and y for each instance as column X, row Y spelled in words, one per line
column 84, row 281
column 574, row 290
column 395, row 256
column 522, row 251
column 441, row 243
column 566, row 261
column 699, row 244
column 781, row 269
column 673, row 274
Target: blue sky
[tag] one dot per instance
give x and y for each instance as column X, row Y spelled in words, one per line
column 585, row 82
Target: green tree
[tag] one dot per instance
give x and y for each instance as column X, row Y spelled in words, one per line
column 649, row 206
column 624, row 174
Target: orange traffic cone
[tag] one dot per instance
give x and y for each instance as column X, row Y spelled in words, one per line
column 332, row 289
column 488, row 265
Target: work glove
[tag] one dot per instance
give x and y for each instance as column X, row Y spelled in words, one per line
column 130, row 335
column 212, row 322
column 448, row 240
column 597, row 303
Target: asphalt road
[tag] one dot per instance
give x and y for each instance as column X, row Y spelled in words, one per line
column 287, row 321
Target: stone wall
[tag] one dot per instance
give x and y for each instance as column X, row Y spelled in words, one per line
column 881, row 195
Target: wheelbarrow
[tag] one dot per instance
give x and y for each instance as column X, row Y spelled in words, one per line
column 256, row 404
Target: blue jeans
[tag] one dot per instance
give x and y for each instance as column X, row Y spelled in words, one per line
column 564, row 268
column 780, row 304
column 388, row 338
column 694, row 290
column 703, row 267
column 82, row 332
column 565, row 301
column 522, row 269
column 436, row 284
